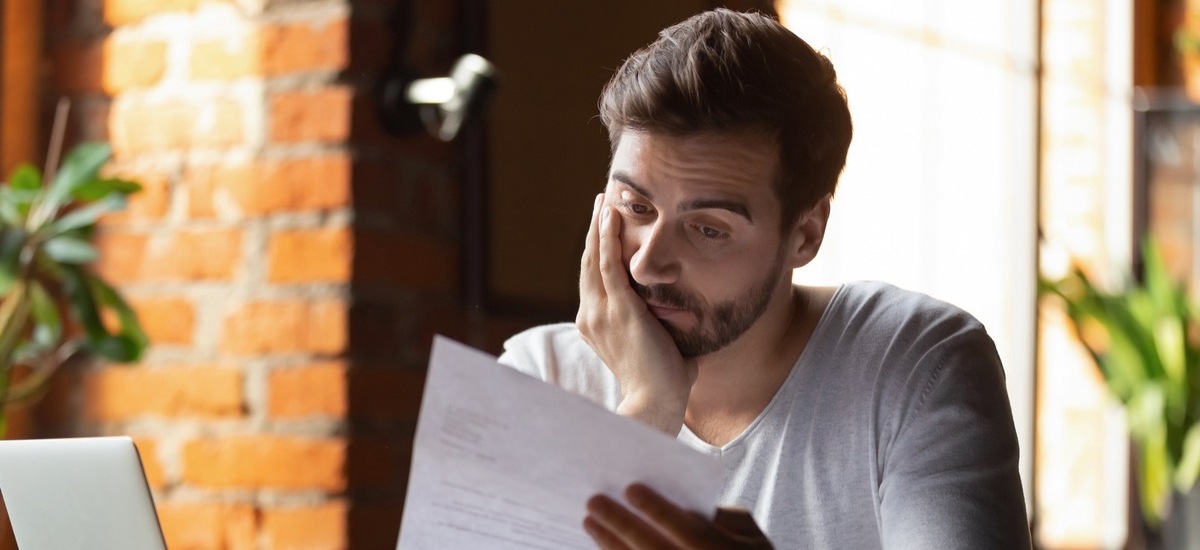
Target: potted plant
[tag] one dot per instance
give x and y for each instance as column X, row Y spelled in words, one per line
column 1145, row 338
column 53, row 306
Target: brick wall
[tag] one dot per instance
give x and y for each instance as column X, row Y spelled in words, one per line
column 289, row 260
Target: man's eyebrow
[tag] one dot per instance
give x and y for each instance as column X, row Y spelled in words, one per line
column 732, row 206
column 624, row 178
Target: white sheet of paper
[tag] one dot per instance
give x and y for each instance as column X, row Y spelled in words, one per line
column 502, row 460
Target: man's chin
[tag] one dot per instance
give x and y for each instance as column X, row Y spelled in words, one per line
column 689, row 343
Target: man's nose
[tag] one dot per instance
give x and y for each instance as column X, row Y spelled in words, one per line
column 655, row 260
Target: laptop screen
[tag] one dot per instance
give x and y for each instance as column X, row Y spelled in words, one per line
column 78, row 493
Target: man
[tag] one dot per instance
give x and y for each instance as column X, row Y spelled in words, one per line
column 854, row 417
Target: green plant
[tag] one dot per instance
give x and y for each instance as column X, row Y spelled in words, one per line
column 1146, row 341
column 54, row 306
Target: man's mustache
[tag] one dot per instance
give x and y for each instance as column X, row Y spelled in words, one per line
column 666, row 295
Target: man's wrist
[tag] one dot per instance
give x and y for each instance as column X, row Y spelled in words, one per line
column 659, row 411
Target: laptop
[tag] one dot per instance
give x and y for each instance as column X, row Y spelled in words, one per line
column 78, row 493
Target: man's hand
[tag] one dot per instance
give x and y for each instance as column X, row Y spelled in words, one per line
column 666, row 526
column 655, row 379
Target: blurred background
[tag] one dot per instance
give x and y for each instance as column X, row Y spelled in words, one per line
column 302, row 234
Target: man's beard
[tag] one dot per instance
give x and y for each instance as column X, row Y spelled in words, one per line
column 717, row 326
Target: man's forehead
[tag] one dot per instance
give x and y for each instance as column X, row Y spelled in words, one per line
column 733, row 163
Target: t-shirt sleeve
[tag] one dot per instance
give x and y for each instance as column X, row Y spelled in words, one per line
column 950, row 476
column 528, row 352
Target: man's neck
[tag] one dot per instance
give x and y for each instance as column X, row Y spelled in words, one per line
column 737, row 382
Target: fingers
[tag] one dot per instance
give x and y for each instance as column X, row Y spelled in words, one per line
column 588, row 265
column 604, row 539
column 614, row 526
column 681, row 526
column 612, row 266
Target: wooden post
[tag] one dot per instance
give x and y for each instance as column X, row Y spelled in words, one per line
column 20, row 48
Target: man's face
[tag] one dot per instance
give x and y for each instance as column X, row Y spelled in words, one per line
column 700, row 232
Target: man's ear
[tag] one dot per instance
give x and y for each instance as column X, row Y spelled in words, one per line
column 808, row 233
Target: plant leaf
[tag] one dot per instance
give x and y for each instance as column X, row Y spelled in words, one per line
column 100, row 188
column 68, row 249
column 12, row 239
column 47, row 329
column 85, row 216
column 1155, row 480
column 15, row 205
column 9, row 215
column 81, row 166
column 89, row 295
column 1188, row 470
column 79, row 296
column 25, row 177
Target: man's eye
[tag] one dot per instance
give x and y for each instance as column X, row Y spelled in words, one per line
column 710, row 233
column 639, row 208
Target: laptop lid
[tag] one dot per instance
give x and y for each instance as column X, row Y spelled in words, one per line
column 78, row 493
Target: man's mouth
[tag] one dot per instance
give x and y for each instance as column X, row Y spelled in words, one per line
column 665, row 312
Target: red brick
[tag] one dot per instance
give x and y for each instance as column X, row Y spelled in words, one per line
column 150, row 203
column 133, row 64
column 165, row 320
column 224, row 59
column 200, row 254
column 148, row 452
column 294, row 47
column 121, row 254
column 208, row 526
column 286, row 326
column 320, row 115
column 201, row 187
column 122, row 393
column 328, row 327
column 292, row 185
column 320, row 527
column 138, row 127
column 310, row 255
column 309, row 390
column 197, row 254
column 266, row 462
column 122, row 12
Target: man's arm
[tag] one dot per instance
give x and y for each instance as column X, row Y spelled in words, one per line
column 950, row 477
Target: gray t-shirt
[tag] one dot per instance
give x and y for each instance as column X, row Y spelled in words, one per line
column 893, row 429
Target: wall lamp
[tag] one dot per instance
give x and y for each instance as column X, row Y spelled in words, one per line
column 439, row 105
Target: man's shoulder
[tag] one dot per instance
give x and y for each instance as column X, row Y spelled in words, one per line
column 878, row 325
column 555, row 338
column 557, row 354
column 874, row 305
column 542, row 349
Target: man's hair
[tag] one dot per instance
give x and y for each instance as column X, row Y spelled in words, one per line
column 725, row 72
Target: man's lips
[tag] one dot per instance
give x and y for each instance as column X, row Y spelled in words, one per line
column 663, row 312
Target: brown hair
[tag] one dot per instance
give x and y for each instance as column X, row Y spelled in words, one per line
column 724, row 71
